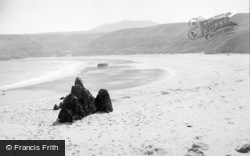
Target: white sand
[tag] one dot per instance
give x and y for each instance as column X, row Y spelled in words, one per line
column 210, row 93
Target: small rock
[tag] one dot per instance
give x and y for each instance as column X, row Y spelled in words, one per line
column 56, row 107
column 102, row 65
column 164, row 93
column 149, row 152
column 195, row 152
column 243, row 149
column 196, row 149
column 200, row 145
column 62, row 98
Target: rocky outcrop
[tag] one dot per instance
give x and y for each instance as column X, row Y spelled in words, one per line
column 61, row 104
column 85, row 98
column 65, row 115
column 80, row 103
column 78, row 82
column 103, row 101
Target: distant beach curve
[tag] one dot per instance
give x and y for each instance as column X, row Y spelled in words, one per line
column 54, row 76
column 32, row 72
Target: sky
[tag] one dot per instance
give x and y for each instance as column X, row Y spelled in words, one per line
column 38, row 16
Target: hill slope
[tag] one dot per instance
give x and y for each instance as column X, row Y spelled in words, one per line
column 43, row 45
column 165, row 38
column 122, row 25
column 172, row 38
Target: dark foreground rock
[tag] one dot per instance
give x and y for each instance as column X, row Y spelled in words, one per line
column 61, row 105
column 85, row 98
column 78, row 82
column 103, row 101
column 243, row 149
column 65, row 115
column 80, row 103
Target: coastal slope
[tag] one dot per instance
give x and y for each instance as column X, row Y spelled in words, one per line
column 126, row 38
column 173, row 38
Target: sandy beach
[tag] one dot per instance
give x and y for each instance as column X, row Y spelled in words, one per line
column 204, row 100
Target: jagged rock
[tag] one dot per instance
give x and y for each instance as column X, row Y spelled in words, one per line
column 71, row 103
column 243, row 149
column 85, row 98
column 78, row 82
column 80, row 103
column 61, row 105
column 103, row 102
column 65, row 115
column 56, row 107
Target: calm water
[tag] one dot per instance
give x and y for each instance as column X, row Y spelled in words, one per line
column 33, row 78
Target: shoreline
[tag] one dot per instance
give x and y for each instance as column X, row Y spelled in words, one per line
column 60, row 85
column 206, row 100
column 48, row 76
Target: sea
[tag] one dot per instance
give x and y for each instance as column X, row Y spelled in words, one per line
column 34, row 78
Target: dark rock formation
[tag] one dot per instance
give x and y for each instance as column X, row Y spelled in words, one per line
column 71, row 109
column 103, row 102
column 65, row 115
column 56, row 107
column 80, row 103
column 61, row 105
column 85, row 98
column 243, row 149
column 78, row 82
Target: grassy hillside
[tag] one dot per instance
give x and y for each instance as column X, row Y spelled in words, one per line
column 172, row 38
column 165, row 38
column 41, row 45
